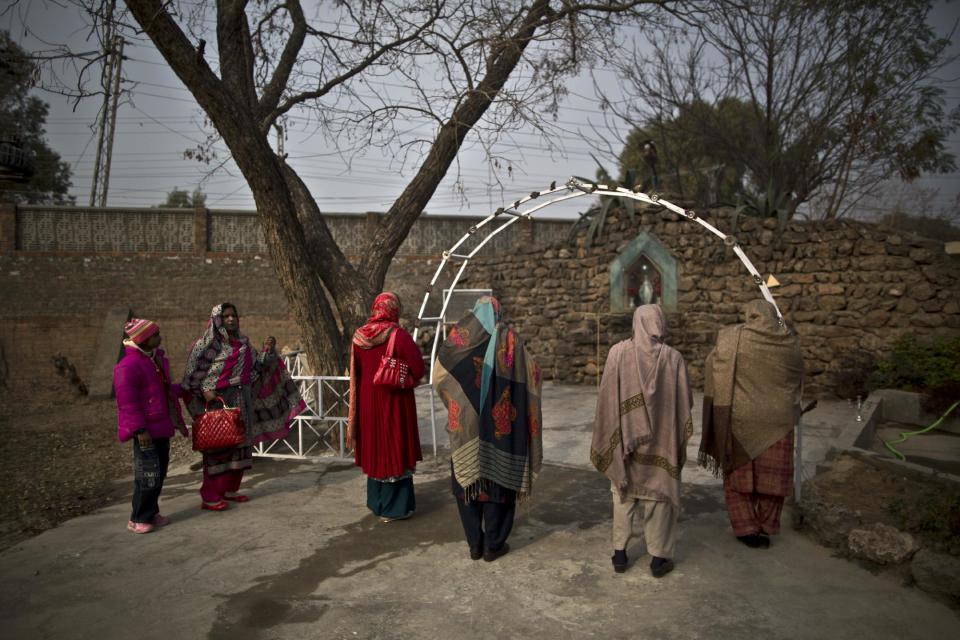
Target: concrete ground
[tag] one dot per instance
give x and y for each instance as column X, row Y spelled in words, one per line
column 937, row 449
column 305, row 559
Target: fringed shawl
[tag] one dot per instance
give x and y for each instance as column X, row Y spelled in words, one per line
column 214, row 363
column 495, row 438
column 643, row 419
column 752, row 386
column 276, row 400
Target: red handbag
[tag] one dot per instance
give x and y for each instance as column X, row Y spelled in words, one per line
column 393, row 371
column 218, row 429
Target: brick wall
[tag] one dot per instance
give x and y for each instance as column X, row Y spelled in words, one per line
column 63, row 268
column 55, row 305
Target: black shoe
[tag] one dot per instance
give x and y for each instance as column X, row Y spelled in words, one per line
column 476, row 553
column 660, row 567
column 620, row 560
column 763, row 541
column 491, row 555
column 753, row 541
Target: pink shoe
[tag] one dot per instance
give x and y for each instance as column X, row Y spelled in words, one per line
column 160, row 521
column 139, row 527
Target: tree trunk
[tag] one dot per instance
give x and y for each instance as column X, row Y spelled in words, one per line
column 323, row 329
column 329, row 297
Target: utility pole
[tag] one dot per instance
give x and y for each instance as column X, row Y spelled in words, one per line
column 110, row 81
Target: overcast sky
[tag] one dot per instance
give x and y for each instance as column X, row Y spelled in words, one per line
column 159, row 120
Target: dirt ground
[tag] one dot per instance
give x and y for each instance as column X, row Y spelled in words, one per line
column 928, row 509
column 60, row 458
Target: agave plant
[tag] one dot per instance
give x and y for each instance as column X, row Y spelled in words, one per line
column 772, row 203
column 595, row 217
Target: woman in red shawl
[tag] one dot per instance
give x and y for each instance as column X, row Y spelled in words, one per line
column 382, row 429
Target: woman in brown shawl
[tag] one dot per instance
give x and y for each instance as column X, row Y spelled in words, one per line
column 490, row 385
column 640, row 437
column 750, row 406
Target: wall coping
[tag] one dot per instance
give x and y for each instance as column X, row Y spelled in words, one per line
column 253, row 212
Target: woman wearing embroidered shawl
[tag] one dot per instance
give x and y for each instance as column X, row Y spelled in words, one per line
column 382, row 429
column 752, row 386
column 223, row 364
column 490, row 385
column 640, row 437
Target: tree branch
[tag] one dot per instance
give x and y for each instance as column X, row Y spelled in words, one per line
column 236, row 50
column 267, row 120
column 274, row 89
column 192, row 69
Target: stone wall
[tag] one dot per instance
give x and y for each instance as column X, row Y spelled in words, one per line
column 846, row 287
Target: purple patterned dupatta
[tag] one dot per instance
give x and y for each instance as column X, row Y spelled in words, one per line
column 258, row 383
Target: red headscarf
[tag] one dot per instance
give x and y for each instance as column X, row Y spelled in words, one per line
column 384, row 316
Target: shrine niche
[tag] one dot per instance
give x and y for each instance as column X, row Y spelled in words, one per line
column 643, row 273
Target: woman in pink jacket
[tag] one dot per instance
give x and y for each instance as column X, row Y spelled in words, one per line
column 148, row 410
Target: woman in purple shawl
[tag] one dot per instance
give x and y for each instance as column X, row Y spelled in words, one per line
column 223, row 365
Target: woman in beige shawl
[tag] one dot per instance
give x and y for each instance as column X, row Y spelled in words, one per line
column 640, row 436
column 751, row 402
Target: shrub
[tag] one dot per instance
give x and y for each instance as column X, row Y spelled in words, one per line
column 855, row 367
column 931, row 367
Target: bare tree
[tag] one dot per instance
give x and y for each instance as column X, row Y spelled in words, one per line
column 839, row 97
column 474, row 68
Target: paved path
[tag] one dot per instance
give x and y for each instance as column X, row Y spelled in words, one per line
column 568, row 423
column 304, row 559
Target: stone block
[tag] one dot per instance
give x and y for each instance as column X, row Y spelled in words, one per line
column 922, row 291
column 870, row 247
column 927, row 320
column 789, row 290
column 833, row 303
column 871, row 263
column 932, row 306
column 829, row 289
column 922, row 255
column 936, row 573
column 882, row 544
column 907, row 305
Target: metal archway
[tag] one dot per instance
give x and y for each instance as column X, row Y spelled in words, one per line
column 574, row 188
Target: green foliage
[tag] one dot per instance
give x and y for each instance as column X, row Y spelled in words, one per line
column 769, row 204
column 854, row 371
column 693, row 162
column 935, row 512
column 931, row 367
column 820, row 100
column 22, row 119
column 179, row 199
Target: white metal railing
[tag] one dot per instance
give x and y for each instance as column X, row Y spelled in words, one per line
column 478, row 235
column 328, row 409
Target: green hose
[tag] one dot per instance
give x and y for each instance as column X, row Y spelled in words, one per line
column 906, row 434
